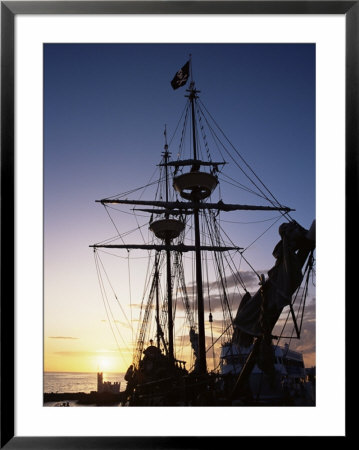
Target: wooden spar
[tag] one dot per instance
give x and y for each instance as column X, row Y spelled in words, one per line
column 246, row 370
column 191, row 205
column 174, row 212
column 190, row 162
column 178, row 248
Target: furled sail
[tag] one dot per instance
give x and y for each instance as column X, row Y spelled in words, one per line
column 283, row 279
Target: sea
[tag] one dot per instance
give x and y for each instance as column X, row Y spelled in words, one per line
column 78, row 381
column 59, row 382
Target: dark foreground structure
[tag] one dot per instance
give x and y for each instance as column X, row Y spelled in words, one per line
column 82, row 398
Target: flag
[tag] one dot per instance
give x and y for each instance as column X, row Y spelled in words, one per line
column 181, row 77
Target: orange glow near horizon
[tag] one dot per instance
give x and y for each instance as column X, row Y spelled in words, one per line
column 84, row 364
column 64, row 354
column 110, row 362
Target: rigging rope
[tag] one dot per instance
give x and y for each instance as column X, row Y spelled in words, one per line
column 239, row 185
column 126, row 193
column 235, row 274
column 183, row 133
column 304, row 295
column 130, row 291
column 185, row 110
column 243, row 160
column 119, row 256
column 264, row 232
column 215, row 240
column 103, row 296
column 114, row 293
column 126, row 233
column 109, row 215
column 249, row 223
column 210, row 312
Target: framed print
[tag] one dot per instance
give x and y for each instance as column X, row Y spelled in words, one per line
column 180, row 306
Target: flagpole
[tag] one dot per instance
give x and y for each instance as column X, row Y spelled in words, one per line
column 190, row 66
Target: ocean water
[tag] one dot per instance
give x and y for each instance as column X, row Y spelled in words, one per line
column 78, row 382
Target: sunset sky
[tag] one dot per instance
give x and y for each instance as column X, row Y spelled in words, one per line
column 105, row 108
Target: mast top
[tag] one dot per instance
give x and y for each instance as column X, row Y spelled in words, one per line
column 166, row 153
column 192, row 91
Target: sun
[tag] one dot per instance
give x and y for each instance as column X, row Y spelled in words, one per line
column 104, row 364
column 108, row 361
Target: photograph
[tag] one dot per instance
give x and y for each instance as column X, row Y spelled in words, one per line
column 179, row 208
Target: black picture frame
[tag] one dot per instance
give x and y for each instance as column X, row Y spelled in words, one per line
column 9, row 9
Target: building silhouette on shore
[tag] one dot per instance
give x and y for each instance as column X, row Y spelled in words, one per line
column 107, row 386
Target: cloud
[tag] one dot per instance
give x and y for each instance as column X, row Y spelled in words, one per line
column 91, row 353
column 309, row 313
column 215, row 301
column 123, row 324
column 116, row 321
column 249, row 278
column 184, row 340
column 63, row 337
column 306, row 343
column 217, row 326
column 140, row 306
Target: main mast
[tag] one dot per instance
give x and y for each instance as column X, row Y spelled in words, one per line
column 168, row 263
column 195, row 198
column 196, row 186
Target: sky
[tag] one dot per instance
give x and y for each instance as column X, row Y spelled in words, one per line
column 105, row 108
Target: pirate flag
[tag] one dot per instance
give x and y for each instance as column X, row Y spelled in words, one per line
column 181, row 77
